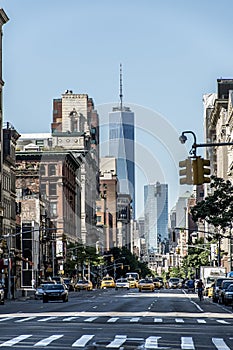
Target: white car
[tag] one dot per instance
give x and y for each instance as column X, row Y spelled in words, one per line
column 122, row 283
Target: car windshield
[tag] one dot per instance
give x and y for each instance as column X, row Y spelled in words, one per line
column 107, row 279
column 82, row 282
column 54, row 287
column 230, row 288
column 174, row 279
column 122, row 280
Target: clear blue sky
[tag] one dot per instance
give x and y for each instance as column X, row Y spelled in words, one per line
column 172, row 53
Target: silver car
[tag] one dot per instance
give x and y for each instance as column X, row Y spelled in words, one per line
column 122, row 283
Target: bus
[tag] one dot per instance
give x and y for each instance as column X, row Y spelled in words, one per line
column 133, row 274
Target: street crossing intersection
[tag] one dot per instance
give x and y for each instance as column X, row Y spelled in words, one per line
column 91, row 341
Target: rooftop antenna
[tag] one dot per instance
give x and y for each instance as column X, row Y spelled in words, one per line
column 121, row 95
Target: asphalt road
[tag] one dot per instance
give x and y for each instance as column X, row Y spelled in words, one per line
column 109, row 319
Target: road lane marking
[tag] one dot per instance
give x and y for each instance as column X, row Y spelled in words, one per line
column 81, row 342
column 179, row 320
column 26, row 319
column 187, row 343
column 48, row 340
column 15, row 340
column 113, row 319
column 220, row 344
column 158, row 320
column 117, row 342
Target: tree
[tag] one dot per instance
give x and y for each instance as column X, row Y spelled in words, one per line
column 216, row 208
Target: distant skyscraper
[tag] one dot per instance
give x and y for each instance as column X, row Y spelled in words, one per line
column 121, row 146
column 156, row 215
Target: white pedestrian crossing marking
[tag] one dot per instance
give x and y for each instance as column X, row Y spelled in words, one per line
column 201, row 321
column 179, row 320
column 25, row 319
column 152, row 342
column 158, row 320
column 47, row 319
column 134, row 319
column 222, row 321
column 15, row 340
column 90, row 319
column 48, row 340
column 6, row 319
column 81, row 342
column 187, row 343
column 113, row 319
column 220, row 344
column 70, row 318
column 117, row 342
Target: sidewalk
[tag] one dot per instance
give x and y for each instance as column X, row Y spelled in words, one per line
column 21, row 295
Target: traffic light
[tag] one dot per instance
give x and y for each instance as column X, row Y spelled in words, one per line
column 200, row 169
column 186, row 172
column 122, row 266
column 112, row 258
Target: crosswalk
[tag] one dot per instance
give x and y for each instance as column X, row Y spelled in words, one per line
column 115, row 319
column 118, row 341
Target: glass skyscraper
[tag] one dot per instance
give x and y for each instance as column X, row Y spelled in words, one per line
column 121, row 146
column 156, row 215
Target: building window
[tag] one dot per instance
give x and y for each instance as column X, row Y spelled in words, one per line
column 53, row 189
column 42, row 169
column 53, row 209
column 52, row 169
column 43, row 188
column 98, row 218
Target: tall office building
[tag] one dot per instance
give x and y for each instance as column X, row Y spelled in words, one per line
column 156, row 215
column 121, row 146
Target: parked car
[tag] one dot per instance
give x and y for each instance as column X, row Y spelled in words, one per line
column 146, row 284
column 222, row 290
column 107, row 282
column 216, row 287
column 55, row 292
column 83, row 285
column 174, row 282
column 2, row 298
column 133, row 283
column 122, row 283
column 228, row 296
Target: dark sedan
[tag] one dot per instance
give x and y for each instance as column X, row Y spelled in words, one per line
column 55, row 292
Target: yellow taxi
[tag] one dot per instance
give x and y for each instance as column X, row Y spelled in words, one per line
column 83, row 285
column 107, row 282
column 146, row 284
column 132, row 282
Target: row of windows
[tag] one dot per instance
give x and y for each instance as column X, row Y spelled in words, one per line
column 52, row 189
column 51, row 170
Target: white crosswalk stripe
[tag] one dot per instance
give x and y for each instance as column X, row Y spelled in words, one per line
column 201, row 321
column 220, row 344
column 67, row 319
column 158, row 320
column 117, row 342
column 134, row 319
column 187, row 343
column 47, row 319
column 179, row 320
column 15, row 340
column 90, row 319
column 113, row 319
column 25, row 319
column 222, row 321
column 48, row 340
column 81, row 342
column 152, row 343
